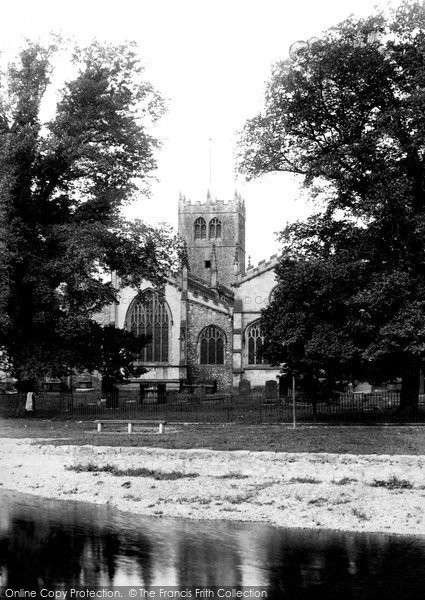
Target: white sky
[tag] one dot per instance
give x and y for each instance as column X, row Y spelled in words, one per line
column 211, row 59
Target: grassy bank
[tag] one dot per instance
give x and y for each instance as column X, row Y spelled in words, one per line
column 276, row 438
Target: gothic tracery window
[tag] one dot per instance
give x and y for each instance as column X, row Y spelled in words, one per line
column 215, row 229
column 212, row 340
column 149, row 316
column 200, row 229
column 255, row 341
column 272, row 294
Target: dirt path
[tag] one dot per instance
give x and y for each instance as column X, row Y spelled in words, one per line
column 289, row 490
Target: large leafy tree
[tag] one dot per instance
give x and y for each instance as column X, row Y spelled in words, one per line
column 348, row 115
column 63, row 181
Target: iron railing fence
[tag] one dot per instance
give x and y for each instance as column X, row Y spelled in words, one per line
column 215, row 408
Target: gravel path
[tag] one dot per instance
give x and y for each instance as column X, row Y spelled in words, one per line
column 345, row 492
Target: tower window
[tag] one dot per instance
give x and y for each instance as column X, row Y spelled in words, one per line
column 208, row 264
column 200, row 229
column 215, row 229
column 212, row 340
column 149, row 316
column 255, row 341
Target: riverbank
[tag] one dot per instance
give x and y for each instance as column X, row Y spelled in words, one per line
column 329, row 491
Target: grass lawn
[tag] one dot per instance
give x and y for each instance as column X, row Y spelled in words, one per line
column 276, row 438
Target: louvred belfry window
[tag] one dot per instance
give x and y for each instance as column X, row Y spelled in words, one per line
column 149, row 316
column 200, row 229
column 255, row 342
column 212, row 342
column 215, row 229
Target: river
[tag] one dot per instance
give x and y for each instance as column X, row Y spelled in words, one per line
column 47, row 543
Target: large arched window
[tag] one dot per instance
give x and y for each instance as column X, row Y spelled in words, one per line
column 255, row 342
column 212, row 341
column 200, row 229
column 272, row 294
column 215, row 229
column 149, row 316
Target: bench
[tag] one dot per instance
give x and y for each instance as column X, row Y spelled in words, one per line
column 130, row 423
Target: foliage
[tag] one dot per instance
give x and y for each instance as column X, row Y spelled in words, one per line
column 62, row 184
column 130, row 472
column 393, row 483
column 348, row 116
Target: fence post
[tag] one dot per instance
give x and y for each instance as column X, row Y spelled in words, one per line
column 294, row 415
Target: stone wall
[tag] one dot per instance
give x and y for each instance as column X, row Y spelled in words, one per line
column 251, row 296
column 199, row 317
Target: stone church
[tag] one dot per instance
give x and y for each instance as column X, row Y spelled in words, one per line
column 205, row 330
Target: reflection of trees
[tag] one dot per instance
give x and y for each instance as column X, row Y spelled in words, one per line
column 111, row 551
column 43, row 552
column 138, row 547
column 52, row 555
column 202, row 561
column 327, row 565
column 35, row 557
column 85, row 546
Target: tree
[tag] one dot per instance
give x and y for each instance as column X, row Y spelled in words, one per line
column 62, row 184
column 348, row 116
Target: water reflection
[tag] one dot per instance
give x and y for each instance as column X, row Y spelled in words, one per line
column 51, row 544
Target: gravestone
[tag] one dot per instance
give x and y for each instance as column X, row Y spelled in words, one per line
column 244, row 386
column 198, row 391
column 271, row 389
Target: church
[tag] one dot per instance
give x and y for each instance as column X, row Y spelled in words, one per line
column 205, row 330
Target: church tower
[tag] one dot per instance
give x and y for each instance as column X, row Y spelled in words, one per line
column 214, row 232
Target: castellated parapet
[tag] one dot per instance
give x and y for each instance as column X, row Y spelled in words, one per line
column 237, row 203
column 255, row 271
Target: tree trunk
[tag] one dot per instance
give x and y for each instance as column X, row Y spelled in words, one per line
column 409, row 395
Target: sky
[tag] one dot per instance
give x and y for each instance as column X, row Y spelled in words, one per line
column 211, row 60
